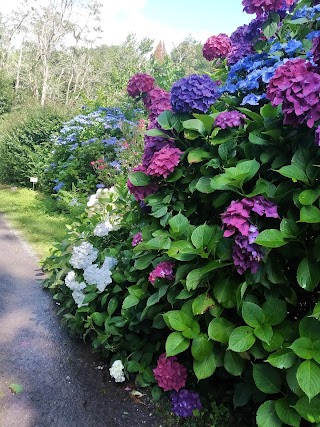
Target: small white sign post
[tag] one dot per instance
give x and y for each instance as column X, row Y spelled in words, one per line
column 34, row 180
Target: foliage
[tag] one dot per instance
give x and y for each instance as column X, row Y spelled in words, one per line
column 237, row 222
column 25, row 145
column 94, row 144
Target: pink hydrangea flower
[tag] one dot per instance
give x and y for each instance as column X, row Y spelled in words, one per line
column 296, row 86
column 164, row 161
column 137, row 238
column 216, row 47
column 140, row 83
column 229, row 119
column 315, row 50
column 163, row 270
column 169, row 373
column 141, row 192
column 156, row 101
column 236, row 218
column 264, row 6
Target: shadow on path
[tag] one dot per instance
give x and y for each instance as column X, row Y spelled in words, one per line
column 62, row 386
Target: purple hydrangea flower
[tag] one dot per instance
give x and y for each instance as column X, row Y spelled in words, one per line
column 156, row 101
column 184, row 402
column 259, row 7
column 194, row 93
column 163, row 270
column 246, row 255
column 137, row 238
column 315, row 50
column 163, row 162
column 229, row 119
column 296, row 87
column 254, row 30
column 216, row 47
column 140, row 83
column 239, row 51
column 169, row 373
column 236, row 218
column 262, row 206
column 153, row 144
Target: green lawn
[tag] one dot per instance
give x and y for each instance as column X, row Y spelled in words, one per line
column 35, row 216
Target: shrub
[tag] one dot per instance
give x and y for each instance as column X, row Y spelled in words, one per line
column 216, row 264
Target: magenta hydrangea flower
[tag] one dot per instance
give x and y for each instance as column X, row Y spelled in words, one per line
column 229, row 119
column 296, row 86
column 315, row 50
column 246, row 255
column 262, row 206
column 317, row 136
column 156, row 101
column 164, row 161
column 216, row 47
column 260, row 7
column 194, row 93
column 169, row 373
column 140, row 83
column 236, row 218
column 141, row 192
column 184, row 402
column 137, row 238
column 163, row 270
column 239, row 51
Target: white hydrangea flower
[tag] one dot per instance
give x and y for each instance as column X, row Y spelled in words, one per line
column 78, row 297
column 92, row 200
column 99, row 277
column 71, row 282
column 83, row 255
column 116, row 371
column 109, row 262
column 103, row 228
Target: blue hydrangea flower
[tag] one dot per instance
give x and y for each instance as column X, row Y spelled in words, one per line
column 252, row 99
column 195, row 93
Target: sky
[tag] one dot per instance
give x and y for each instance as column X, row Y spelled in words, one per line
column 170, row 21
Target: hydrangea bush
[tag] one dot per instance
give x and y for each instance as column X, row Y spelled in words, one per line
column 215, row 266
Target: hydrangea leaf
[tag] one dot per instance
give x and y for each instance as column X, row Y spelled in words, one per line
column 271, row 238
column 176, row 343
column 267, row 416
column 220, row 329
column 241, row 339
column 267, row 378
column 282, row 359
column 308, row 376
column 204, row 368
column 287, row 413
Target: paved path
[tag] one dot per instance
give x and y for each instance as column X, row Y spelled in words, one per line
column 62, row 386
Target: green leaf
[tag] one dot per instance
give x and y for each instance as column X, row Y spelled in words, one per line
column 130, row 301
column 282, row 359
column 220, row 329
column 133, row 366
column 89, row 297
column 310, row 214
column 195, row 125
column 156, row 393
column 289, row 228
column 308, row 376
column 202, row 303
column 269, row 28
column 112, row 305
column 309, row 327
column 308, row 197
column 254, row 138
column 182, row 250
column 204, row 185
column 275, row 311
column 308, row 274
column 267, row 378
column 241, row 339
column 177, row 319
column 176, row 343
column 208, row 121
column 294, row 172
column 168, row 120
column 178, row 224
column 243, row 171
column 156, row 132
column 269, row 112
column 275, row 342
column 286, row 413
column 267, row 416
column 139, row 179
column 155, row 298
column 201, row 236
column 234, row 363
column 252, row 314
column 303, row 347
column 98, row 318
column 271, row 238
column 16, row 388
column 195, row 276
column 254, row 116
column 204, row 368
column 224, row 291
column 201, row 347
column 264, row 332
column 143, row 262
column 309, row 410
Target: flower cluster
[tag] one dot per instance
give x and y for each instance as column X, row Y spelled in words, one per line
column 260, row 7
column 140, row 83
column 169, row 373
column 156, row 101
column 296, row 86
column 216, row 47
column 100, row 277
column 83, row 255
column 163, row 270
column 76, row 287
column 315, row 50
column 184, row 402
column 164, row 161
column 236, row 221
column 229, row 119
column 109, row 224
column 141, row 192
column 152, row 145
column 117, row 371
column 137, row 238
column 195, row 93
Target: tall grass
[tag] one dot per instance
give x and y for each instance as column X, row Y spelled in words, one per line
column 35, row 216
